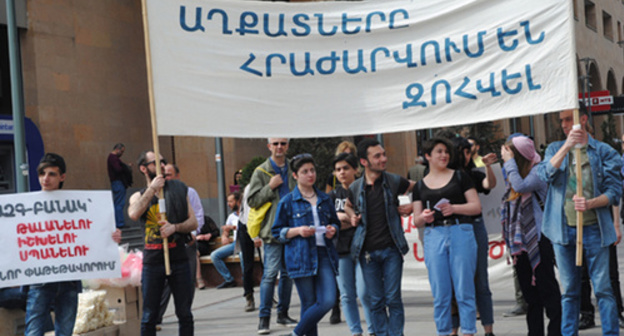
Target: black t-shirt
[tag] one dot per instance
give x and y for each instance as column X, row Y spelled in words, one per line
column 453, row 191
column 333, row 182
column 477, row 177
column 377, row 231
column 340, row 196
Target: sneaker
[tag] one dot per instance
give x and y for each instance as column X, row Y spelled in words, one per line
column 284, row 319
column 586, row 321
column 227, row 284
column 335, row 316
column 263, row 326
column 251, row 304
column 517, row 310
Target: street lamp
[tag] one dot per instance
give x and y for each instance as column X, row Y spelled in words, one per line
column 587, row 85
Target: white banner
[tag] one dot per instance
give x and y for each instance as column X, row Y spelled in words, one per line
column 57, row 236
column 257, row 69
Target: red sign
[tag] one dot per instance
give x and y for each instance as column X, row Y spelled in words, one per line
column 599, row 100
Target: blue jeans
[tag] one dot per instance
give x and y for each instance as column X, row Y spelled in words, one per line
column 181, row 284
column 274, row 263
column 218, row 256
column 450, row 257
column 570, row 276
column 482, row 282
column 317, row 294
column 63, row 296
column 13, row 298
column 350, row 281
column 119, row 200
column 382, row 270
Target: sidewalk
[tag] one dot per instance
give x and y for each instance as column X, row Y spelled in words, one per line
column 220, row 312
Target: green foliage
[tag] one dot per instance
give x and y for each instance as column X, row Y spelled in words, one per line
column 484, row 132
column 608, row 132
column 249, row 169
column 322, row 149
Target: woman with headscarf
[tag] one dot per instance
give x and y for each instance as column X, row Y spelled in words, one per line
column 532, row 252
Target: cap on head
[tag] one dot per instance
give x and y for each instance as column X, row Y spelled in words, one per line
column 526, row 148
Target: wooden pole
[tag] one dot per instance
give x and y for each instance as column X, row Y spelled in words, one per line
column 150, row 91
column 579, row 192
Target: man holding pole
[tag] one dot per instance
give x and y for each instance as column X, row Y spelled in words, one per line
column 601, row 188
column 176, row 227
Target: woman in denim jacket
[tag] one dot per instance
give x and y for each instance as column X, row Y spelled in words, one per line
column 306, row 224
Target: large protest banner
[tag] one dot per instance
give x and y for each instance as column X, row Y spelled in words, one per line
column 256, row 69
column 60, row 235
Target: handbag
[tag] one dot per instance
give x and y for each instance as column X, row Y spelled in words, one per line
column 256, row 215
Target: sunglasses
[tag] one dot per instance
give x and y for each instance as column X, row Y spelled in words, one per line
column 162, row 162
column 279, row 143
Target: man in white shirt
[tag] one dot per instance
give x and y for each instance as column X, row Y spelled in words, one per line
column 227, row 244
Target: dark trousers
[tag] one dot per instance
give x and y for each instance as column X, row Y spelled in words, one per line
column 542, row 295
column 586, row 305
column 191, row 253
column 247, row 249
column 181, row 284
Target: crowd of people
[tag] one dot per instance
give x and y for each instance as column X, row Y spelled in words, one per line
column 346, row 242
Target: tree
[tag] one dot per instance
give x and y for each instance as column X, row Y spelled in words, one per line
column 322, row 149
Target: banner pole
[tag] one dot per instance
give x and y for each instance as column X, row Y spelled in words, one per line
column 579, row 192
column 150, row 91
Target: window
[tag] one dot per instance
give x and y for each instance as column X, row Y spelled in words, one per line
column 607, row 25
column 590, row 15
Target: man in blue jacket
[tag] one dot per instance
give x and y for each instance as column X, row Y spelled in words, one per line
column 602, row 188
column 379, row 241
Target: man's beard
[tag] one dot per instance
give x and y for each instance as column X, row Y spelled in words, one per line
column 235, row 208
column 151, row 174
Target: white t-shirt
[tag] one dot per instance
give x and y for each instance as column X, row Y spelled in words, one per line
column 320, row 240
column 232, row 220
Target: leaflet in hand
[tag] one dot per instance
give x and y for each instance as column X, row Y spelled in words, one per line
column 440, row 202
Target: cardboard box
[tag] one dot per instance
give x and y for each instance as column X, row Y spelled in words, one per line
column 12, row 322
column 106, row 331
column 126, row 303
column 130, row 328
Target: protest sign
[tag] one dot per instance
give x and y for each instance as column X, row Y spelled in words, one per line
column 59, row 235
column 345, row 68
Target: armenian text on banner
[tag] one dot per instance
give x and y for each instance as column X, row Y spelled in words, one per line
column 256, row 69
column 60, row 235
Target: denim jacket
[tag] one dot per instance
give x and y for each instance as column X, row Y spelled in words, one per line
column 299, row 252
column 605, row 166
column 392, row 214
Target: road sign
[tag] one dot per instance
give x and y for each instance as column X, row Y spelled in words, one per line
column 598, row 100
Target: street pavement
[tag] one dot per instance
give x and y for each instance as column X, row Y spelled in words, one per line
column 220, row 312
